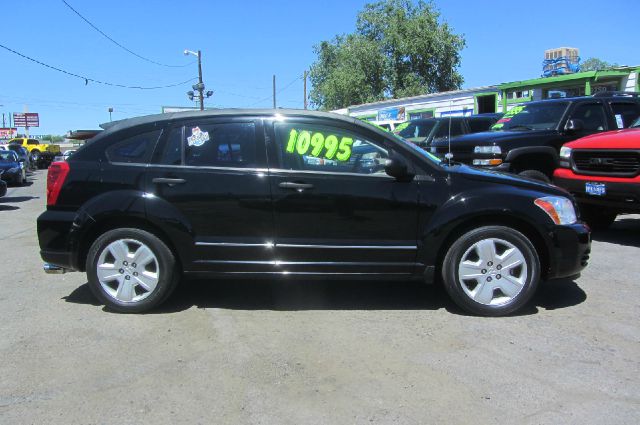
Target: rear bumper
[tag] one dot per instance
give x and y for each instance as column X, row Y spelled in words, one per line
column 57, row 246
column 570, row 247
column 620, row 196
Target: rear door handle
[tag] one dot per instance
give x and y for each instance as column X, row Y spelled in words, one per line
column 169, row 181
column 295, row 186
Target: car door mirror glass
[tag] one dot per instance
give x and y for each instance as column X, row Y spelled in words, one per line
column 397, row 167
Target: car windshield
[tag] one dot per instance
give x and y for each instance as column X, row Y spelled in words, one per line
column 7, row 156
column 636, row 123
column 417, row 149
column 420, row 128
column 532, row 116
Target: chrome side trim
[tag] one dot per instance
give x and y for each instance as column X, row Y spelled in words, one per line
column 234, row 244
column 289, row 245
column 308, row 263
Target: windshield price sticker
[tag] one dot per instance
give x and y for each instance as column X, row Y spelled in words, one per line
column 318, row 145
column 507, row 116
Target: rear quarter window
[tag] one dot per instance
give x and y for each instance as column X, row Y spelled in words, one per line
column 134, row 149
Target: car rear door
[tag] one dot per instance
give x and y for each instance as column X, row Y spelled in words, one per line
column 212, row 171
column 336, row 210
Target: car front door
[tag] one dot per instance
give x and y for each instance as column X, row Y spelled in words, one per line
column 213, row 172
column 336, row 210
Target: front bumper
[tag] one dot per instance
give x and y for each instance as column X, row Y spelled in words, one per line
column 11, row 177
column 569, row 251
column 622, row 195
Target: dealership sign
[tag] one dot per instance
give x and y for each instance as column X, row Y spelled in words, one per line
column 26, row 119
column 7, row 133
column 391, row 114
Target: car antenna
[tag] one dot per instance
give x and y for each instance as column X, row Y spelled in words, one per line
column 449, row 155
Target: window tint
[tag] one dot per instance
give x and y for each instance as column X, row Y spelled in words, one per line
column 221, row 145
column 457, row 128
column 324, row 148
column 476, row 125
column 592, row 116
column 134, row 149
column 625, row 113
column 172, row 152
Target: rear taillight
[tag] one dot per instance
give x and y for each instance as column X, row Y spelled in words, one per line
column 55, row 179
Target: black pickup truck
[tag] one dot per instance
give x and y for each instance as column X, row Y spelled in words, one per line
column 527, row 140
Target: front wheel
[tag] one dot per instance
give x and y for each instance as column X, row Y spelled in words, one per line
column 535, row 175
column 491, row 271
column 131, row 270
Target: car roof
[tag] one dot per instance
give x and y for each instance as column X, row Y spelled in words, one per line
column 111, row 127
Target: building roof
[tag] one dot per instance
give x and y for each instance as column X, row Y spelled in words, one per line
column 614, row 72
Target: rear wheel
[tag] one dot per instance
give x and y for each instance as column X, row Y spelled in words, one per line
column 597, row 218
column 491, row 271
column 131, row 270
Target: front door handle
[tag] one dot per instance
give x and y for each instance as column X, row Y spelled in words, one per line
column 169, row 181
column 295, row 186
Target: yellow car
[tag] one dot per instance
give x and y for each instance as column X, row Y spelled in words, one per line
column 42, row 154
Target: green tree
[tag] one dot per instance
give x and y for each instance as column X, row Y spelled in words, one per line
column 595, row 64
column 400, row 48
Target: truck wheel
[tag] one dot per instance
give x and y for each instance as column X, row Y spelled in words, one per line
column 131, row 270
column 536, row 175
column 597, row 218
column 491, row 271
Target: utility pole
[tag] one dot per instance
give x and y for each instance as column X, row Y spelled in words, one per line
column 305, row 89
column 274, row 91
column 200, row 83
column 110, row 112
column 3, row 126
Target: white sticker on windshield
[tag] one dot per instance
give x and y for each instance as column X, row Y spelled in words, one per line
column 619, row 121
column 198, row 137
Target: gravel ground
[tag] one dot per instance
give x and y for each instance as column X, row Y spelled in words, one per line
column 315, row 352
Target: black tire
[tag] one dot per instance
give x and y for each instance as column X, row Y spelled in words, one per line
column 597, row 218
column 169, row 274
column 35, row 156
column 453, row 258
column 535, row 175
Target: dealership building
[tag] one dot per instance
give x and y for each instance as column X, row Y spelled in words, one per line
column 497, row 98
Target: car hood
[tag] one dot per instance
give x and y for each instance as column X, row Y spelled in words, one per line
column 480, row 174
column 492, row 137
column 618, row 139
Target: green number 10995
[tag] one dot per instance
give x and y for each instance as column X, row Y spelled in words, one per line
column 319, row 145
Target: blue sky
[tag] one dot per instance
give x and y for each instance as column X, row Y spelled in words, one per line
column 245, row 43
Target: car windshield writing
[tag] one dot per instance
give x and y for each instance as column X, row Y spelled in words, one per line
column 534, row 116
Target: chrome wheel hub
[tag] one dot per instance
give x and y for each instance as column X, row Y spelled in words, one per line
column 128, row 270
column 492, row 272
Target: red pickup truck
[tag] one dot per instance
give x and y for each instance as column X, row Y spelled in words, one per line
column 602, row 171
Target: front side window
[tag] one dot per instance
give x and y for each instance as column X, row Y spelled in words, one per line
column 592, row 117
column 32, row 142
column 135, row 149
column 323, row 148
column 447, row 126
column 220, row 145
column 532, row 116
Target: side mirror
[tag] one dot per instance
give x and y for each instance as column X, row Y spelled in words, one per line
column 397, row 167
column 574, row 125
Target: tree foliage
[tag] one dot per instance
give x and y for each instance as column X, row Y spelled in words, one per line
column 595, row 64
column 400, row 48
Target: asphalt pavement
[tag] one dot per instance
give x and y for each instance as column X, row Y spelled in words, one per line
column 270, row 352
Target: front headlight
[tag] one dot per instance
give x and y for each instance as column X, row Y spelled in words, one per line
column 487, row 149
column 558, row 208
column 565, row 152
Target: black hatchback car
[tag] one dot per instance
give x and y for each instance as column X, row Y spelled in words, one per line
column 264, row 193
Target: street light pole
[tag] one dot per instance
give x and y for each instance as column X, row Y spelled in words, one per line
column 200, row 83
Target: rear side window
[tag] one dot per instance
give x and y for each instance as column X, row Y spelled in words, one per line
column 478, row 125
column 625, row 113
column 135, row 149
column 219, row 145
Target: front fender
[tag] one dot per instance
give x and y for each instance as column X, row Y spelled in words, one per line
column 540, row 151
column 477, row 207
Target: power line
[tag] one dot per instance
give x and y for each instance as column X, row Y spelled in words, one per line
column 93, row 80
column 278, row 92
column 120, row 45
